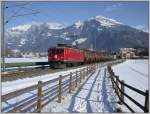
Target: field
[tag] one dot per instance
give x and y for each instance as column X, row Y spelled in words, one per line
column 95, row 93
column 134, row 73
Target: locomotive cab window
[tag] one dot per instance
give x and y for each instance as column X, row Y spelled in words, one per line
column 56, row 51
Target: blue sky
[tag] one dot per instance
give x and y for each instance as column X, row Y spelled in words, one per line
column 130, row 13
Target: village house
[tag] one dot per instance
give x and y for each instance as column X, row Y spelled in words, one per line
column 127, row 53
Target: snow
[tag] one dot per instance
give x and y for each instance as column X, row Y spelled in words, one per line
column 55, row 26
column 19, row 45
column 22, row 41
column 134, row 73
column 106, row 21
column 94, row 95
column 18, row 60
column 78, row 24
column 66, row 38
column 99, row 29
column 9, row 43
column 63, row 36
column 80, row 40
column 15, row 50
column 10, row 86
column 49, row 34
column 24, row 27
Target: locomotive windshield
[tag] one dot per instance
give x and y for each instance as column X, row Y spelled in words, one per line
column 56, row 51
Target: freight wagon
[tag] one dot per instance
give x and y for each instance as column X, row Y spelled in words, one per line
column 62, row 56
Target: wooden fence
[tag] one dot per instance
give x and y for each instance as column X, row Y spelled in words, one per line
column 35, row 97
column 44, row 92
column 119, row 86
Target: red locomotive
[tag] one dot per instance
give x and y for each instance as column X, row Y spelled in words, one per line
column 62, row 56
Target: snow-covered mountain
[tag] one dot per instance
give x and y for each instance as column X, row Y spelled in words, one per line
column 100, row 32
column 107, row 21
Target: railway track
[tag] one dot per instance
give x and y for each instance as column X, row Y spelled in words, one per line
column 9, row 76
column 32, row 72
column 23, row 74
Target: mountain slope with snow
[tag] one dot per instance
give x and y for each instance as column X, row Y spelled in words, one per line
column 101, row 32
column 106, row 21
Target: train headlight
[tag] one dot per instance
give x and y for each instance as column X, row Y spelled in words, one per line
column 55, row 56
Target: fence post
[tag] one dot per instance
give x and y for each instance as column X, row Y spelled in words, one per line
column 76, row 78
column 19, row 68
column 39, row 95
column 105, row 72
column 83, row 73
column 80, row 76
column 147, row 101
column 122, row 88
column 87, row 71
column 117, row 78
column 70, row 85
column 59, row 89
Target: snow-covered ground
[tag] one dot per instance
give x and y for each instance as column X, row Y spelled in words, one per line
column 18, row 60
column 95, row 95
column 10, row 86
column 134, row 73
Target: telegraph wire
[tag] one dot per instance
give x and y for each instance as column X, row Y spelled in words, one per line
column 17, row 5
column 15, row 14
column 26, row 14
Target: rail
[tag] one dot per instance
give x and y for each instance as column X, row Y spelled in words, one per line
column 42, row 93
column 119, row 86
column 26, row 66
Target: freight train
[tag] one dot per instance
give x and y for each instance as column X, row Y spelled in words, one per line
column 63, row 56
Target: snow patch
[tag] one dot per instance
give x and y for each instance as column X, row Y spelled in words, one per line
column 134, row 73
column 67, row 38
column 16, row 50
column 10, row 43
column 10, row 86
column 24, row 27
column 17, row 60
column 78, row 24
column 22, row 42
column 79, row 41
column 49, row 34
column 55, row 26
column 106, row 21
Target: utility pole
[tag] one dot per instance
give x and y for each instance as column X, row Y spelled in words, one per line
column 76, row 37
column 2, row 37
column 95, row 43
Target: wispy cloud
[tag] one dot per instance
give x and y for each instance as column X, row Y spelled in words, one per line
column 113, row 7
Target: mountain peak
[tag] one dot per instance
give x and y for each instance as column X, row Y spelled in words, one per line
column 55, row 26
column 106, row 21
column 24, row 27
column 78, row 24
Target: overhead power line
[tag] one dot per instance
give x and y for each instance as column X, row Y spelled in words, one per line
column 26, row 14
column 15, row 14
column 17, row 5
